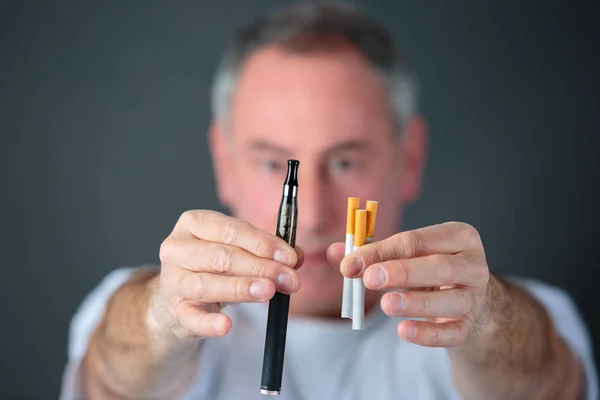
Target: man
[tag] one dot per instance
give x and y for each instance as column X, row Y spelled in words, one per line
column 321, row 83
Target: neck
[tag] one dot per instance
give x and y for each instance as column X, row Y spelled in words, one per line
column 304, row 311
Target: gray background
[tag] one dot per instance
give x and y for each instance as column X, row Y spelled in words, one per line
column 104, row 109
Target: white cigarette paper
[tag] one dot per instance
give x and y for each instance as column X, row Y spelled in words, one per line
column 358, row 287
column 358, row 303
column 364, row 233
column 347, row 290
column 353, row 204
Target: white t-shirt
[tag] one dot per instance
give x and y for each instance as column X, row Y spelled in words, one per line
column 323, row 359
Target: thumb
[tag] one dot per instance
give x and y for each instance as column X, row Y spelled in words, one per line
column 335, row 254
column 300, row 254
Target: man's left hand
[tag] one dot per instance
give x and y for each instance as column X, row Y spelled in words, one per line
column 438, row 273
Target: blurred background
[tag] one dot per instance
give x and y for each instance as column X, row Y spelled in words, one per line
column 103, row 118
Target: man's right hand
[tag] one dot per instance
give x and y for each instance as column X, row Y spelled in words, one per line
column 211, row 259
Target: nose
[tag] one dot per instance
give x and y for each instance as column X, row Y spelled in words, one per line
column 313, row 202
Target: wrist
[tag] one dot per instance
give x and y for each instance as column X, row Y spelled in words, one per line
column 160, row 329
column 491, row 316
column 156, row 325
column 515, row 341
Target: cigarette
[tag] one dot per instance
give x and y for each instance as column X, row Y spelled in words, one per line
column 371, row 218
column 277, row 319
column 353, row 205
column 358, row 308
column 358, row 289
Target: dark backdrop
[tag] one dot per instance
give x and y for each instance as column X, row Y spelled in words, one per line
column 104, row 109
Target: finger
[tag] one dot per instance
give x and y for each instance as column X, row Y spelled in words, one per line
column 447, row 238
column 300, row 255
column 200, row 256
column 198, row 322
column 444, row 303
column 434, row 270
column 335, row 254
column 217, row 227
column 211, row 288
column 431, row 334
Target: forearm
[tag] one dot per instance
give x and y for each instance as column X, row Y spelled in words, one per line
column 516, row 352
column 126, row 359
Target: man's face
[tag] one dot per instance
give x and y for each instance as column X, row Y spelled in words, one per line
column 327, row 110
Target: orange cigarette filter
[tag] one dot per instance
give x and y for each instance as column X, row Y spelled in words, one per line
column 371, row 217
column 360, row 231
column 353, row 205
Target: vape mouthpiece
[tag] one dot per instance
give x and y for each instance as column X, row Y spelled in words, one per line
column 292, row 173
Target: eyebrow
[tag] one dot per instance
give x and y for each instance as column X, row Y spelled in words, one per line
column 344, row 146
column 263, row 145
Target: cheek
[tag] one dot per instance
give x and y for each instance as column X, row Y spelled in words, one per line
column 258, row 205
column 256, row 196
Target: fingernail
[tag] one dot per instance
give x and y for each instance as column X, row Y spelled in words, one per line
column 398, row 304
column 258, row 289
column 285, row 282
column 409, row 331
column 354, row 266
column 282, row 256
column 377, row 277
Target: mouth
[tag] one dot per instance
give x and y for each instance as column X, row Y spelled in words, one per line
column 315, row 259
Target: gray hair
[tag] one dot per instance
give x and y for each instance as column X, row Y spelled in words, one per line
column 306, row 27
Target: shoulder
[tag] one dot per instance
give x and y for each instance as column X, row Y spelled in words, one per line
column 543, row 291
column 558, row 303
column 569, row 323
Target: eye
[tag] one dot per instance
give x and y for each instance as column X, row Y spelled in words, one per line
column 342, row 164
column 272, row 165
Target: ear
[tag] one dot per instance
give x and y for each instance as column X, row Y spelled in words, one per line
column 218, row 143
column 413, row 149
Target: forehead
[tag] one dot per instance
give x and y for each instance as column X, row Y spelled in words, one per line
column 323, row 96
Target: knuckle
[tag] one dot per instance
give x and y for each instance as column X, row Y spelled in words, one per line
column 261, row 269
column 436, row 337
column 399, row 276
column 184, row 217
column 167, row 249
column 201, row 217
column 223, row 260
column 482, row 272
column 378, row 255
column 188, row 217
column 469, row 233
column 455, row 227
column 448, row 269
column 239, row 289
column 205, row 215
column 424, row 304
column 261, row 247
column 230, row 231
column 411, row 244
column 199, row 289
